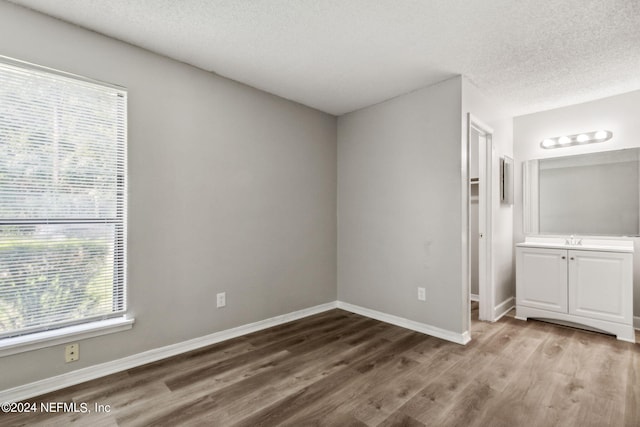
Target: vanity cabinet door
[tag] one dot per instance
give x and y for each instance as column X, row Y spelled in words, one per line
column 541, row 278
column 600, row 285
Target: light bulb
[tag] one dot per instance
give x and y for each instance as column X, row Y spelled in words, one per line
column 564, row 140
column 601, row 134
column 548, row 143
column 582, row 138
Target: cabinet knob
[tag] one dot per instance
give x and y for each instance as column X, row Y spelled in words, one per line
column 572, row 258
column 564, row 257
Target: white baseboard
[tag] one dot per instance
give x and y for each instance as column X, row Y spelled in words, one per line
column 68, row 379
column 636, row 322
column 457, row 338
column 92, row 372
column 503, row 308
column 474, row 297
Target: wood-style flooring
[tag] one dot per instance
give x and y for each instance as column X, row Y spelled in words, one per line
column 342, row 369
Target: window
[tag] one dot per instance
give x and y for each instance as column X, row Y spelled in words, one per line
column 62, row 200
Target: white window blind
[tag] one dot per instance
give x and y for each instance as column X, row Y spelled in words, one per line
column 62, row 199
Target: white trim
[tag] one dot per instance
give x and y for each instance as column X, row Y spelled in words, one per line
column 68, row 379
column 40, row 68
column 621, row 331
column 478, row 124
column 503, row 308
column 457, row 338
column 474, row 297
column 636, row 322
column 485, row 198
column 67, row 334
column 530, row 197
column 96, row 371
column 465, row 270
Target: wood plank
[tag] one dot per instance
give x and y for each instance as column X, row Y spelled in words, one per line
column 299, row 343
column 398, row 419
column 381, row 362
column 250, row 394
column 632, row 397
column 339, row 368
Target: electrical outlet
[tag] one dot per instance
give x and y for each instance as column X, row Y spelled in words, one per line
column 72, row 352
column 422, row 294
column 221, row 299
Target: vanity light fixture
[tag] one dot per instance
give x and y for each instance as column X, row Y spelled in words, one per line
column 581, row 138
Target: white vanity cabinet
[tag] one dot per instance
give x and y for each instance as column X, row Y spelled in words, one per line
column 589, row 284
column 541, row 279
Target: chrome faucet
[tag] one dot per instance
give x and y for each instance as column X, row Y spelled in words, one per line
column 573, row 241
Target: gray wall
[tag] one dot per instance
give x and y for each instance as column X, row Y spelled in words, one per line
column 400, row 206
column 618, row 114
column 230, row 189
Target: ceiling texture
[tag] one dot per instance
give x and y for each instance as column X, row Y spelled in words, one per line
column 341, row 55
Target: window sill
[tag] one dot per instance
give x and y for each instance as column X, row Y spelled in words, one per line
column 20, row 344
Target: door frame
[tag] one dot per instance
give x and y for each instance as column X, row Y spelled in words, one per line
column 486, row 288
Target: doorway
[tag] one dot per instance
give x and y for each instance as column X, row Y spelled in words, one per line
column 480, row 156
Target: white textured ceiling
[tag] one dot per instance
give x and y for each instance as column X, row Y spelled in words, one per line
column 341, row 55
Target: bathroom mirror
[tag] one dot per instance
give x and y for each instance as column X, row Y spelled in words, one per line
column 589, row 194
